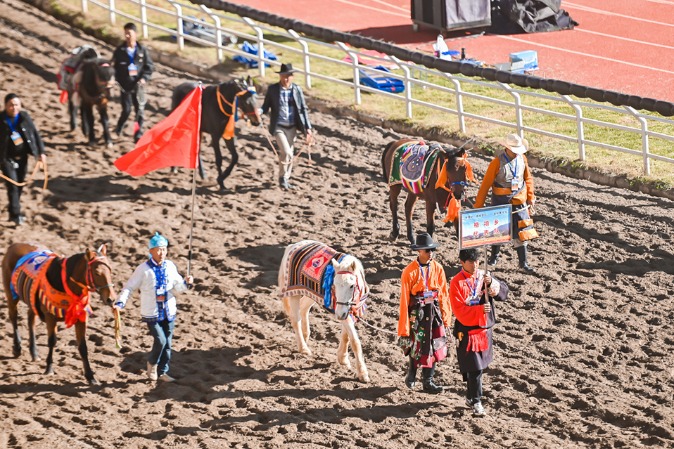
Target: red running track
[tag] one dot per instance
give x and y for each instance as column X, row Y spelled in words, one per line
column 621, row 45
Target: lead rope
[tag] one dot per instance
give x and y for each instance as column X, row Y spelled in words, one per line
column 39, row 164
column 118, row 328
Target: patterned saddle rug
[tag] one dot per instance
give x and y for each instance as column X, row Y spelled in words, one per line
column 309, row 272
column 412, row 165
column 29, row 282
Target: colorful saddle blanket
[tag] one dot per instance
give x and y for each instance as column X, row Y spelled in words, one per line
column 29, row 282
column 412, row 165
column 309, row 272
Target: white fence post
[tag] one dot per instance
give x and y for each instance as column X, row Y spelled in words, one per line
column 305, row 57
column 645, row 149
column 408, row 86
column 459, row 104
column 85, row 7
column 143, row 18
column 180, row 33
column 218, row 30
column 113, row 16
column 580, row 126
column 260, row 45
column 518, row 107
column 356, row 75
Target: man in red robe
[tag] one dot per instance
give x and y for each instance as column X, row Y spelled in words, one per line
column 472, row 293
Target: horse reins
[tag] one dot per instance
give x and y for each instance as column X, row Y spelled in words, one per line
column 232, row 104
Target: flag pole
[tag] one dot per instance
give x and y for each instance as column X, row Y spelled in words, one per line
column 194, row 191
column 189, row 252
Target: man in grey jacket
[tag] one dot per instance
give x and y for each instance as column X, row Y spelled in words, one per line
column 288, row 115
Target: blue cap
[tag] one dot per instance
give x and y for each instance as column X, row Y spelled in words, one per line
column 157, row 240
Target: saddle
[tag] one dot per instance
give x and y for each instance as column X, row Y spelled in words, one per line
column 412, row 165
column 29, row 282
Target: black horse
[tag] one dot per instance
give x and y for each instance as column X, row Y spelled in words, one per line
column 93, row 81
column 218, row 108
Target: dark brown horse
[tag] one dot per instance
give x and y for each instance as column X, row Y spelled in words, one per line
column 55, row 289
column 219, row 105
column 449, row 159
column 93, row 82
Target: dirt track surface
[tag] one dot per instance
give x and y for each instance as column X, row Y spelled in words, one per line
column 583, row 349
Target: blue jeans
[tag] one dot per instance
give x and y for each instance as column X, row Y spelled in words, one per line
column 160, row 355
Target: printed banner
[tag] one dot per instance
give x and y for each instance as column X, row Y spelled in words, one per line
column 485, row 226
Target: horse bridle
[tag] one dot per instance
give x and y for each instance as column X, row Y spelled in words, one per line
column 354, row 303
column 90, row 284
column 233, row 104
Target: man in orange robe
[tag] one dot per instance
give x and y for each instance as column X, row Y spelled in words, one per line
column 424, row 313
column 509, row 178
column 472, row 293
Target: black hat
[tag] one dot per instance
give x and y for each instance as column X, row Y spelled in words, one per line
column 286, row 69
column 424, row 241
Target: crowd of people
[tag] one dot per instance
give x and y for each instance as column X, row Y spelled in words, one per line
column 428, row 300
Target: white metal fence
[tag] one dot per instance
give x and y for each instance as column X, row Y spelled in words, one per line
column 541, row 106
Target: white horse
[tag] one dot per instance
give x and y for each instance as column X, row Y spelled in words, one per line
column 302, row 280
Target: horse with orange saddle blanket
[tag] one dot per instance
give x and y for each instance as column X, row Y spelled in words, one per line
column 55, row 289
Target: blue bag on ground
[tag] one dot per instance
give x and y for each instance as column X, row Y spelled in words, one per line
column 252, row 49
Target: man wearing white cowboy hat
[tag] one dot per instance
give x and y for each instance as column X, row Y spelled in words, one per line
column 157, row 278
column 289, row 115
column 509, row 178
column 425, row 312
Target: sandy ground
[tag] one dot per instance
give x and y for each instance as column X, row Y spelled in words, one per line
column 583, row 348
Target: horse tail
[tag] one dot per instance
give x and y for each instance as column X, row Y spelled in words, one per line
column 384, row 171
column 180, row 92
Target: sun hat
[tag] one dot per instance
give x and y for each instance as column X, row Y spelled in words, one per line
column 286, row 69
column 516, row 144
column 424, row 241
column 158, row 240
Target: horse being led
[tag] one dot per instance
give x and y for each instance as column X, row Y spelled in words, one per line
column 436, row 173
column 312, row 272
column 91, row 86
column 219, row 106
column 55, row 289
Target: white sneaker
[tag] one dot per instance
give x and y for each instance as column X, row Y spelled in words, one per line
column 166, row 378
column 151, row 371
column 478, row 409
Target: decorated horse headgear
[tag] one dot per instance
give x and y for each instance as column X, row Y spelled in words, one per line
column 158, row 240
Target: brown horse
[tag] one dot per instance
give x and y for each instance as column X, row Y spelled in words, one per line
column 93, row 82
column 55, row 289
column 450, row 160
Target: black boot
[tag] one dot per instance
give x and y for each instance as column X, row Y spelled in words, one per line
column 493, row 258
column 522, row 256
column 411, row 377
column 429, row 385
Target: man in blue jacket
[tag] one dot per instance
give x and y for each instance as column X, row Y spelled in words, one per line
column 288, row 115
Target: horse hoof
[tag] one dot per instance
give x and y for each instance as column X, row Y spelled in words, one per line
column 17, row 353
column 365, row 378
column 393, row 236
column 93, row 381
column 345, row 362
column 109, row 144
column 49, row 371
column 305, row 351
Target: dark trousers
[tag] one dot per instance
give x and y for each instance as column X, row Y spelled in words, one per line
column 136, row 98
column 474, row 381
column 15, row 170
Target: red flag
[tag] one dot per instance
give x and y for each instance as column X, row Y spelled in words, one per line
column 173, row 142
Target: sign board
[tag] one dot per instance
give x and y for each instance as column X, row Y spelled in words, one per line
column 485, row 226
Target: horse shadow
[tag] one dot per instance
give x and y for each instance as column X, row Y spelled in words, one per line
column 266, row 258
column 29, row 65
column 91, row 190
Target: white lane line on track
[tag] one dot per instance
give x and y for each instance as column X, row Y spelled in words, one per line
column 387, row 4
column 613, row 36
column 615, row 14
column 397, row 14
column 604, row 58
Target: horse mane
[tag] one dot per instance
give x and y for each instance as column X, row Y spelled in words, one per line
column 352, row 263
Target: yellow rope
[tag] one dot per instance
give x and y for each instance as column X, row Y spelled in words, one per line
column 118, row 328
column 39, row 164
